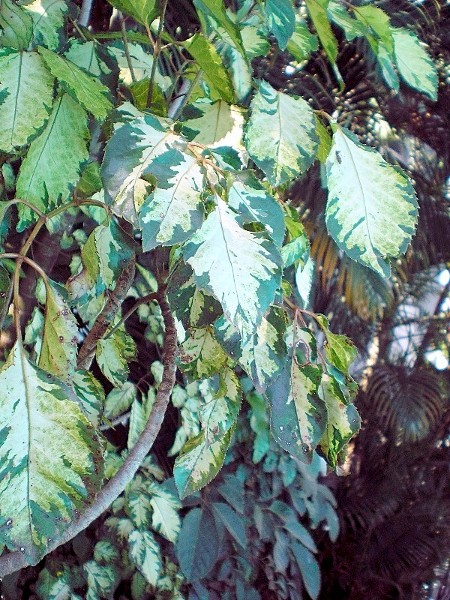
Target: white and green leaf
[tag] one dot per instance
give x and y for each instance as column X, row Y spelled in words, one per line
column 165, row 517
column 280, row 18
column 145, row 554
column 201, row 355
column 16, row 25
column 48, row 21
column 91, row 395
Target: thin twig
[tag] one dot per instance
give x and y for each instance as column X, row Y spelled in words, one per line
column 125, row 47
column 157, row 49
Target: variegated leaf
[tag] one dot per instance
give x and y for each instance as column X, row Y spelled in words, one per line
column 241, row 269
column 50, row 456
column 48, row 21
column 113, row 354
column 201, row 355
column 372, row 208
column 90, row 394
column 281, row 135
column 223, row 398
column 139, row 509
column 145, row 554
column 165, row 518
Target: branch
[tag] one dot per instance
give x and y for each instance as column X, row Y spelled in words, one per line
column 13, row 561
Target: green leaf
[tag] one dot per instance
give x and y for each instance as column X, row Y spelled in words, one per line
column 198, row 544
column 317, row 10
column 372, row 208
column 325, row 141
column 171, row 214
column 90, row 394
column 219, row 124
column 386, row 62
column 51, row 168
column 139, row 509
column 309, row 569
column 54, row 588
column 137, row 152
column 304, row 281
column 254, row 204
column 210, row 62
column 280, row 17
column 165, row 518
column 201, row 355
column 339, row 350
column 105, row 552
column 113, row 355
column 378, row 21
column 199, row 462
column 233, row 522
column 340, row 15
column 414, row 63
column 50, row 457
column 298, row 417
column 302, row 42
column 119, row 400
column 281, row 151
column 60, row 337
column 48, row 21
column 88, row 56
column 142, row 11
column 102, row 580
column 140, row 412
column 222, row 403
column 342, row 421
column 145, row 553
column 220, row 23
column 84, row 88
column 4, row 287
column 238, row 267
column 142, row 63
column 16, row 24
column 26, row 89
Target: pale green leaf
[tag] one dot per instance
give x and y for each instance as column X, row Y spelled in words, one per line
column 198, row 544
column 16, row 25
column 317, row 10
column 386, row 62
column 142, row 63
column 139, row 152
column 199, row 462
column 304, row 280
column 238, row 267
column 222, row 403
column 339, row 350
column 113, row 354
column 414, row 63
column 140, row 412
column 253, row 204
column 142, row 11
column 298, row 417
column 102, row 579
column 145, row 554
column 342, row 421
column 52, row 167
column 219, row 124
column 105, row 552
column 90, row 394
column 60, row 337
column 171, row 214
column 324, row 141
column 282, row 151
column 139, row 509
column 340, row 15
column 87, row 55
column 119, row 400
column 26, row 91
column 309, row 568
column 87, row 90
column 48, row 21
column 50, row 457
column 165, row 518
column 372, row 208
column 302, row 42
column 280, row 17
column 201, row 354
column 378, row 21
column 210, row 62
column 220, row 23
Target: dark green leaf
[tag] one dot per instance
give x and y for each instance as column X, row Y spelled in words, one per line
column 280, row 17
column 198, row 544
column 233, row 522
column 309, row 568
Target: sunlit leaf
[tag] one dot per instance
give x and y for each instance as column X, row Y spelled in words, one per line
column 113, row 354
column 119, row 400
column 102, row 579
column 16, row 25
column 48, row 21
column 201, row 355
column 88, row 56
column 280, row 17
column 215, row 13
column 138, row 508
column 317, row 10
column 302, row 42
column 222, row 404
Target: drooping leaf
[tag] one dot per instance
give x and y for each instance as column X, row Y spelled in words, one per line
column 281, row 151
column 280, row 17
column 171, row 214
column 386, row 62
column 138, row 508
column 140, row 412
column 304, row 281
column 26, row 89
column 199, row 462
column 324, row 141
column 372, row 208
column 342, row 421
column 209, row 60
column 113, row 354
column 90, row 394
column 414, row 63
column 60, row 337
column 87, row 90
column 146, row 555
column 48, row 21
column 238, row 267
column 119, row 400
column 142, row 11
column 201, row 355
column 222, row 403
column 309, row 569
column 340, row 15
column 298, row 416
column 16, row 25
column 220, row 23
column 317, row 10
column 165, row 518
column 198, row 544
column 50, row 457
column 253, row 204
column 233, row 522
column 52, row 167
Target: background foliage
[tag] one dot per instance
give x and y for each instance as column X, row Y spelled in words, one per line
column 262, row 165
